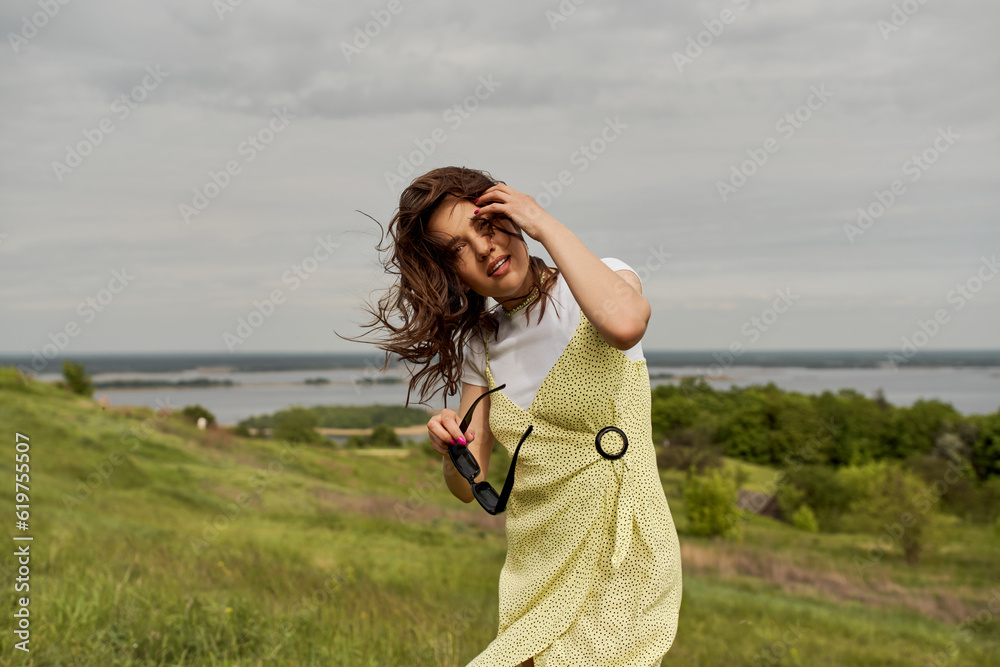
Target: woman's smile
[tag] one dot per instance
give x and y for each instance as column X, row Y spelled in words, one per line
column 500, row 269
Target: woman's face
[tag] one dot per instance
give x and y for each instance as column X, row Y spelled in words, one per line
column 481, row 264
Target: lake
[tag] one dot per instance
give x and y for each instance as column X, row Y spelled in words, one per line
column 969, row 389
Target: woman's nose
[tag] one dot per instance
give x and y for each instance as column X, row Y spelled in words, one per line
column 483, row 244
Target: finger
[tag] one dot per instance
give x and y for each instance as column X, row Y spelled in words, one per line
column 451, row 433
column 439, row 436
column 489, row 195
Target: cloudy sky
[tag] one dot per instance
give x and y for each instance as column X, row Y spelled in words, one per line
column 179, row 163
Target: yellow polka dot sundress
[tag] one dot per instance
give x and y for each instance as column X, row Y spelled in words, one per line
column 593, row 570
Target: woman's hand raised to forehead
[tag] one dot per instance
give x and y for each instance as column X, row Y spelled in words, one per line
column 521, row 208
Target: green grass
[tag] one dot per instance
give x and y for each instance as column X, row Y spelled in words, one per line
column 208, row 549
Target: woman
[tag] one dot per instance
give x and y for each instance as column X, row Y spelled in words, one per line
column 592, row 574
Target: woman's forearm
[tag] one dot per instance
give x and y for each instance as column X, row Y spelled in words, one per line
column 618, row 312
column 458, row 485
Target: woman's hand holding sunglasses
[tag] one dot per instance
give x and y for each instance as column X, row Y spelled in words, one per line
column 444, row 429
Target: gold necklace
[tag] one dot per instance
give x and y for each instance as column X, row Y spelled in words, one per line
column 531, row 297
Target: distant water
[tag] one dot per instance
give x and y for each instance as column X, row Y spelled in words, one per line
column 175, row 362
column 969, row 389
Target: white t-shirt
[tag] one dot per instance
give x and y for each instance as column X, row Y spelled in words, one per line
column 524, row 352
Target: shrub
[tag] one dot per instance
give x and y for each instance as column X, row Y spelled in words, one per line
column 77, row 378
column 963, row 494
column 740, row 476
column 700, row 459
column 818, row 486
column 11, row 378
column 804, row 519
column 690, row 448
column 985, row 455
column 790, row 499
column 896, row 502
column 296, row 424
column 356, row 442
column 427, row 448
column 194, row 412
column 384, row 436
column 710, row 502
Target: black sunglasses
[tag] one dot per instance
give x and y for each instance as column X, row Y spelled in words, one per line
column 468, row 467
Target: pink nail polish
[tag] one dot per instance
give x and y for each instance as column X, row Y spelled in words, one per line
column 462, row 440
column 452, row 442
column 476, row 211
column 476, row 200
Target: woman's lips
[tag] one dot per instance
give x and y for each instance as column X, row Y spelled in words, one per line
column 502, row 269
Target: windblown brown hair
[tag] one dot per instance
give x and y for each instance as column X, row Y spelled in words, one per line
column 437, row 316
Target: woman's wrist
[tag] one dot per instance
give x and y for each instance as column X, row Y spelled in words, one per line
column 549, row 231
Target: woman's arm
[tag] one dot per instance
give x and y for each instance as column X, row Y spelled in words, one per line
column 444, row 426
column 612, row 301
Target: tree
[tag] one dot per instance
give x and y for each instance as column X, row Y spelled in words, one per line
column 384, row 436
column 804, row 519
column 670, row 413
column 193, row 412
column 914, row 430
column 77, row 378
column 296, row 424
column 710, row 503
column 818, row 486
column 896, row 504
column 985, row 457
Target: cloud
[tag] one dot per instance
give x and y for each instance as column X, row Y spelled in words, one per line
column 358, row 120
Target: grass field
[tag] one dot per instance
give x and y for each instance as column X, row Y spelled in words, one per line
column 158, row 544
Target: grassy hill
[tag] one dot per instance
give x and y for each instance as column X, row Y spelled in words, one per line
column 159, row 544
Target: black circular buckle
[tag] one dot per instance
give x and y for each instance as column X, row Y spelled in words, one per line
column 600, row 434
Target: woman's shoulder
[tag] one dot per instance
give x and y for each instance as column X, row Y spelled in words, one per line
column 474, row 344
column 616, row 264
